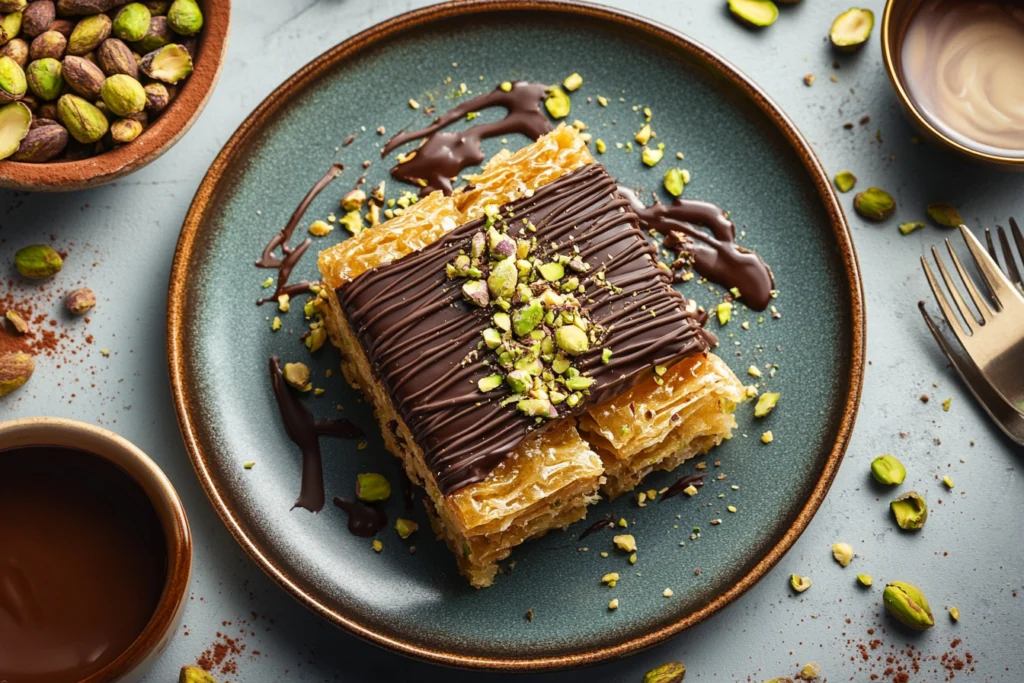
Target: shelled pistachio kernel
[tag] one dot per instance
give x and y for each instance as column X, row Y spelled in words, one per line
column 673, row 181
column 625, row 542
column 906, row 603
column 406, row 527
column 610, row 578
column 948, row 481
column 887, row 469
column 377, row 546
column 767, row 437
column 652, row 155
column 799, row 583
column 864, row 579
column 810, row 672
column 557, row 103
column 724, row 312
column 673, row 672
column 297, row 375
column 765, row 403
column 954, row 613
column 193, row 674
column 371, row 487
column 644, row 134
column 907, row 228
column 845, row 181
column 910, row 510
column 572, row 82
column 843, row 552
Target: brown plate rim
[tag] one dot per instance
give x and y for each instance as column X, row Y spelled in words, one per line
column 281, row 97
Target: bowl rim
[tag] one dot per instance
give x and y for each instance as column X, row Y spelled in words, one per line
column 206, row 196
column 173, row 123
column 890, row 58
column 67, row 433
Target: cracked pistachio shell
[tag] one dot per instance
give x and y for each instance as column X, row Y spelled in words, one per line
column 672, row 672
column 84, row 77
column 123, row 95
column 169, row 64
column 82, row 8
column 157, row 35
column 15, row 119
column 131, row 22
column 45, row 79
column 887, row 469
column 48, row 44
column 557, row 103
column 114, row 57
column 156, row 7
column 83, row 120
column 13, row 83
column 193, row 674
column 845, row 181
column 10, row 26
column 851, row 29
column 371, row 487
column 15, row 369
column 910, row 510
column 88, row 34
column 184, row 17
column 37, row 17
column 799, row 583
column 42, row 143
column 18, row 50
column 906, row 603
column 754, row 13
column 945, row 215
column 38, row 261
column 874, row 204
column 157, row 97
column 13, row 5
column 125, row 130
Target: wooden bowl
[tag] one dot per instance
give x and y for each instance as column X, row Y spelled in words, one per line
column 173, row 122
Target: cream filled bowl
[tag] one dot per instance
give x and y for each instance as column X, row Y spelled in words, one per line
column 957, row 66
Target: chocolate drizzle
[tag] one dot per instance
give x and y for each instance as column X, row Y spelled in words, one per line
column 695, row 480
column 443, row 155
column 363, row 519
column 714, row 251
column 305, row 431
column 417, row 329
column 597, row 526
column 291, row 257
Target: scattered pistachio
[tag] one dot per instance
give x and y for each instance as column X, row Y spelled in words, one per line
column 625, row 542
column 489, row 383
column 691, row 490
column 16, row 321
column 673, row 672
column 613, row 604
column 377, row 546
column 297, row 375
column 765, row 403
column 724, row 312
column 611, row 578
column 38, row 261
column 249, row 464
column 874, row 204
column 413, row 104
column 16, row 368
column 845, row 181
column 907, row 604
column 572, row 82
column 13, row 83
column 193, row 674
column 851, row 29
column 954, row 613
column 644, row 134
column 600, row 145
column 948, row 481
column 319, row 228
column 843, row 552
column 673, row 181
column 945, row 215
column 371, row 487
column 767, row 437
column 667, row 593
column 754, row 13
column 557, row 103
column 353, row 200
column 864, row 579
column 907, row 228
column 352, row 221
column 799, row 583
column 947, row 403
column 406, row 527
column 810, row 672
column 123, row 95
column 910, row 510
column 886, row 469
column 284, row 303
column 80, row 300
column 651, row 156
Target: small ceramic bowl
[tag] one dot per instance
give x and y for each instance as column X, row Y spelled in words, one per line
column 54, row 431
column 895, row 20
column 173, row 122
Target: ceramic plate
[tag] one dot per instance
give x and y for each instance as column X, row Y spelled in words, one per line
column 743, row 154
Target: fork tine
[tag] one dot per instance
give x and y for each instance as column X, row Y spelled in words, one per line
column 1010, row 263
column 965, row 312
column 972, row 289
column 947, row 312
column 1002, row 290
column 1019, row 239
column 991, row 247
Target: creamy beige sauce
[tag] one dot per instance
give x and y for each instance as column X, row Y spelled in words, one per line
column 963, row 65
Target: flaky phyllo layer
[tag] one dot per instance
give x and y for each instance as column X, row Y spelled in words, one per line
column 553, row 474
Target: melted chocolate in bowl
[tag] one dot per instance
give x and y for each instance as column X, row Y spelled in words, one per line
column 83, row 562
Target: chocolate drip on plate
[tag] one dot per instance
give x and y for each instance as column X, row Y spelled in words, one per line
column 443, row 155
column 363, row 519
column 597, row 526
column 714, row 251
column 695, row 480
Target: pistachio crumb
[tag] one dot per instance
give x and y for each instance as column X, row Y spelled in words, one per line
column 946, row 404
column 625, row 542
column 810, row 672
column 414, row 104
column 690, row 490
column 506, row 86
column 572, row 82
column 731, row 508
column 249, row 465
column 754, row 371
column 283, row 303
column 864, row 579
column 268, row 282
column 667, row 592
column 632, row 558
column 613, row 604
column 610, row 578
column 276, row 324
column 602, row 100
column 377, row 546
column 767, row 437
column 799, row 583
column 954, row 613
column 319, row 228
column 843, row 552
column 948, row 481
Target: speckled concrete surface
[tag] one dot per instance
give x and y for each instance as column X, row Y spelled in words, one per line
column 971, row 554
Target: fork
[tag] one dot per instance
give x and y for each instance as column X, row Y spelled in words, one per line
column 995, row 343
column 1011, row 265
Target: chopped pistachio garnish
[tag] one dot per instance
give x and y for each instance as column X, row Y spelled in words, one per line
column 643, row 135
column 887, row 469
column 945, row 215
column 765, row 404
column 414, row 104
column 377, row 546
column 602, row 100
column 249, row 464
column 724, row 312
column 572, row 82
column 754, row 371
column 667, row 593
column 625, row 542
column 557, row 103
column 810, row 672
column 946, row 404
column 632, row 558
column 283, row 303
column 623, row 523
column 651, row 156
column 799, row 583
column 275, row 325
column 690, row 490
column 864, row 579
column 673, row 181
column 948, row 481
column 353, row 221
column 845, row 181
column 319, row 228
column 601, row 147
column 268, row 282
column 767, row 437
column 610, row 578
column 506, row 86
column 297, row 375
column 843, row 552
column 371, row 487
column 731, row 508
column 954, row 613
column 910, row 510
column 907, row 228
column 406, row 527
column 614, row 604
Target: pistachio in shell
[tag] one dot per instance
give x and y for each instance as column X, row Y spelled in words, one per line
column 557, row 103
column 945, row 215
column 13, row 5
column 15, row 369
column 84, row 121
column 132, row 22
column 114, row 57
column 42, row 143
column 910, row 511
column 84, row 77
column 851, row 29
column 48, row 44
column 38, row 261
column 10, row 26
column 673, row 672
column 83, row 8
column 158, row 97
column 45, row 79
column 125, row 130
column 47, row 111
column 123, row 95
column 906, row 604
column 845, row 181
column 88, row 34
column 37, row 17
column 13, row 83
column 18, row 50
column 63, row 27
column 156, row 7
column 184, row 17
column 157, row 35
column 15, row 119
column 754, row 13
column 169, row 64
column 874, row 204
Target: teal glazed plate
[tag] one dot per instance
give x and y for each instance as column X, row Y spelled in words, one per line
column 743, row 154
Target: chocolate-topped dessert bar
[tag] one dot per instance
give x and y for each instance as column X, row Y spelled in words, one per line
column 530, row 356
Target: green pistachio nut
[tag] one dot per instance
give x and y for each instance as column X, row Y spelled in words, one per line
column 123, row 95
column 673, row 181
column 48, row 44
column 945, row 215
column 38, row 261
column 88, row 34
column 799, row 583
column 557, row 103
column 45, row 78
column 572, row 340
column 537, row 407
column 131, row 22
column 579, row 383
column 765, row 404
column 371, row 487
column 406, row 527
column 754, row 13
column 15, row 121
column 13, row 83
column 84, row 121
column 851, row 29
column 907, row 605
column 810, row 672
column 157, row 35
column 475, row 292
column 502, row 280
column 672, row 672
column 910, row 510
column 886, row 469
column 845, row 181
column 37, row 17
column 874, row 204
column 651, row 156
column 193, row 674
column 492, row 338
column 84, row 77
column 551, row 271
column 530, row 364
column 907, row 228
column 184, row 17
column 519, row 381
column 114, row 57
column 126, row 130
column 169, row 64
column 489, row 383
column 526, row 319
column 10, row 26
